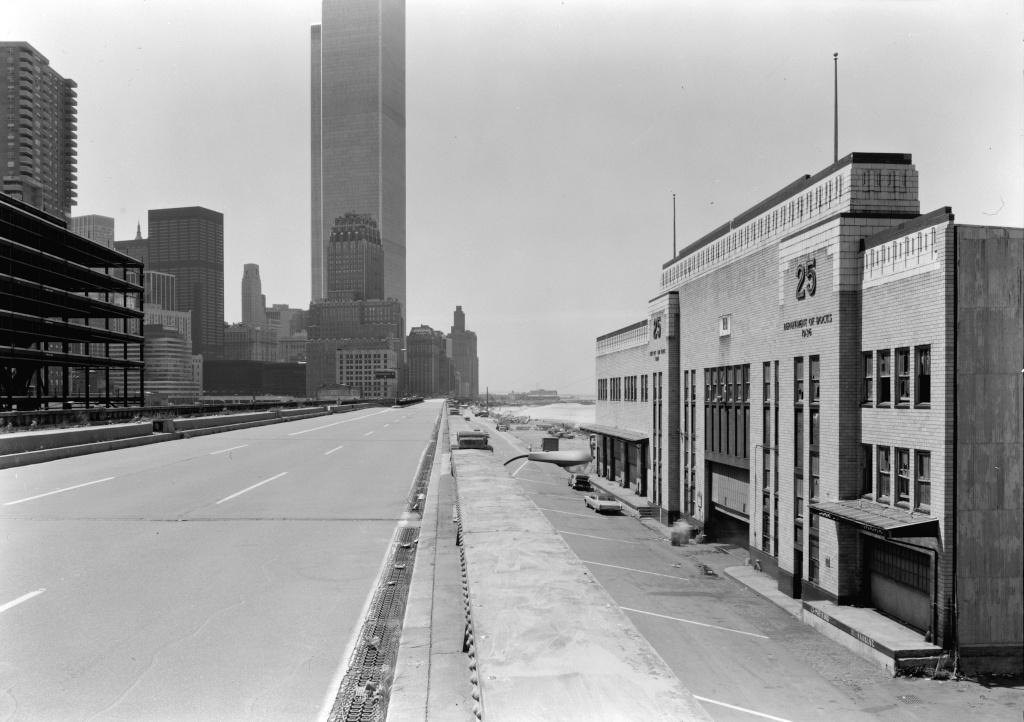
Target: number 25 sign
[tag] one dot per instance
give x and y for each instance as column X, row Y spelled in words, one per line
column 806, row 280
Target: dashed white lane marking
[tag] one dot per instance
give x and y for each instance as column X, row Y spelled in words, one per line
column 325, row 426
column 537, row 481
column 58, row 491
column 19, row 600
column 212, row 453
column 591, row 536
column 690, row 621
column 639, row 571
column 333, row 450
column 742, row 709
column 367, row 433
column 521, row 468
column 570, row 513
column 237, row 493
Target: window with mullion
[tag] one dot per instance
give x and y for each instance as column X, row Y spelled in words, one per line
column 923, row 372
column 884, row 474
column 903, row 475
column 923, row 474
column 903, row 375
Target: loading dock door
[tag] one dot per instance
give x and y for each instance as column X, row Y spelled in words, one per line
column 900, row 581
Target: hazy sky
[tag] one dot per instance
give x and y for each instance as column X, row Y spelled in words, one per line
column 545, row 138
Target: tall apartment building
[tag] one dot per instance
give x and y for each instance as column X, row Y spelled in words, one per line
column 38, row 114
column 358, row 130
column 253, row 305
column 96, row 228
column 464, row 357
column 354, row 259
column 188, row 243
column 833, row 379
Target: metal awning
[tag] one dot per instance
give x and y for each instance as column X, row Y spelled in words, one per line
column 890, row 522
column 614, row 431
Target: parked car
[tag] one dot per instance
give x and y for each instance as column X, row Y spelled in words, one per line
column 602, row 502
column 502, row 427
column 580, row 482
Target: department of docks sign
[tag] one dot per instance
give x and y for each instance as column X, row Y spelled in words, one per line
column 385, row 374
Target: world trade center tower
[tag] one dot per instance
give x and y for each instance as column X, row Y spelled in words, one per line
column 358, row 130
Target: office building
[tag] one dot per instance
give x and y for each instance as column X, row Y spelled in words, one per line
column 188, row 243
column 99, row 229
column 161, row 290
column 39, row 111
column 243, row 342
column 464, row 357
column 371, row 365
column 70, row 332
column 428, row 366
column 169, row 362
column 288, row 321
column 253, row 304
column 354, row 259
column 833, row 380
column 137, row 248
column 358, row 130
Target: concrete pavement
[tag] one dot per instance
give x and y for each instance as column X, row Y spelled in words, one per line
column 213, row 578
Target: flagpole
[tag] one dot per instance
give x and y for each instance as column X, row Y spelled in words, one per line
column 835, row 62
column 673, row 225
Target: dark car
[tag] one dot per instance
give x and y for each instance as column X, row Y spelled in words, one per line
column 580, row 482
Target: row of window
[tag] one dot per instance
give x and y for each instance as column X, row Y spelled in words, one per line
column 884, row 486
column 877, row 386
column 625, row 388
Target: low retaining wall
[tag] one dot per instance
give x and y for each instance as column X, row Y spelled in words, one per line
column 23, row 441
column 547, row 640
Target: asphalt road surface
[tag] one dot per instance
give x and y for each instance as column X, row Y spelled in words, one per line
column 744, row 658
column 216, row 578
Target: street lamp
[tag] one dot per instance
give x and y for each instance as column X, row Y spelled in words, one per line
column 575, row 460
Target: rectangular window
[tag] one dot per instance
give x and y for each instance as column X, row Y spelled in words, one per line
column 884, row 473
column 903, row 475
column 707, row 386
column 923, row 367
column 867, row 387
column 923, row 493
column 746, row 383
column 815, row 475
column 903, row 375
column 766, row 426
column 815, row 427
column 815, row 379
column 767, row 393
column 884, row 378
column 798, row 380
column 866, row 486
column 798, row 487
column 767, row 466
column 812, row 568
column 798, row 440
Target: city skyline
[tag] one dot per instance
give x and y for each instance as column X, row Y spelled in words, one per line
column 544, row 143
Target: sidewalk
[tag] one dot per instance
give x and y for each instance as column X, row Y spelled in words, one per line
column 863, row 631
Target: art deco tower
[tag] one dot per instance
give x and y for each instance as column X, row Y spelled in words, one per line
column 358, row 130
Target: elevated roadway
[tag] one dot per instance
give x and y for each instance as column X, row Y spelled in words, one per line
column 221, row 577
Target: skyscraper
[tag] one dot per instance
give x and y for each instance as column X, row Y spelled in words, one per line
column 464, row 358
column 96, row 228
column 253, row 308
column 39, row 112
column 354, row 259
column 189, row 244
column 358, row 130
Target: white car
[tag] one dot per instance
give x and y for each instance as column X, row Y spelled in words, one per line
column 600, row 502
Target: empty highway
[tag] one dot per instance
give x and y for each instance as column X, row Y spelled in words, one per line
column 220, row 577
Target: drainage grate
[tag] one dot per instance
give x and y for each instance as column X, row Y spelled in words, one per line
column 366, row 687
column 909, row 699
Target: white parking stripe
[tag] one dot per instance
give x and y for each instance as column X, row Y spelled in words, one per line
column 58, row 491
column 19, row 600
column 325, row 426
column 237, row 493
column 639, row 571
column 570, row 513
column 333, row 450
column 690, row 621
column 367, row 433
column 742, row 709
column 621, row 541
column 212, row 453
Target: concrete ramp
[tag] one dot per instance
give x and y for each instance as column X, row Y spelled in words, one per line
column 550, row 643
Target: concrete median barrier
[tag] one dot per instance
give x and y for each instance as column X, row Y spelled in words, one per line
column 547, row 641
